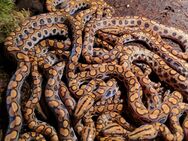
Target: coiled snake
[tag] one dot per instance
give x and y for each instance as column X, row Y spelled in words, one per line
column 90, row 75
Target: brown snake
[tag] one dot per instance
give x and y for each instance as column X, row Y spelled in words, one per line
column 103, row 74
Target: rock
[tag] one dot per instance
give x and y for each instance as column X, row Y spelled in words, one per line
column 35, row 6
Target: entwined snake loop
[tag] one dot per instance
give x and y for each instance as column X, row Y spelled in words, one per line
column 92, row 73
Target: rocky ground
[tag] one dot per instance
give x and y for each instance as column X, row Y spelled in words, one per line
column 168, row 12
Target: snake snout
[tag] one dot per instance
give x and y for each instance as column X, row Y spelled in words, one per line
column 88, row 133
column 143, row 132
column 84, row 104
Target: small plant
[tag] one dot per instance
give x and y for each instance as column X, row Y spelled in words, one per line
column 10, row 17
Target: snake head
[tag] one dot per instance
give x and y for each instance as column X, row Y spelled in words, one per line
column 83, row 105
column 114, row 129
column 147, row 131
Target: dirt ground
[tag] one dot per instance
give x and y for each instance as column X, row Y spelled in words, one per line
column 169, row 12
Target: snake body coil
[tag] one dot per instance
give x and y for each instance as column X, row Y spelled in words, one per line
column 96, row 77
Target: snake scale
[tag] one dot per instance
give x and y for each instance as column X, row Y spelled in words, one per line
column 93, row 75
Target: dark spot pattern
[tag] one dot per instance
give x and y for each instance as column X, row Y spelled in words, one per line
column 146, row 25
column 41, row 21
column 155, row 28
column 29, row 44
column 139, row 22
column 174, row 34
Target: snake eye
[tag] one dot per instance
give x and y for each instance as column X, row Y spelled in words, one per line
column 162, row 120
column 108, row 94
column 44, row 50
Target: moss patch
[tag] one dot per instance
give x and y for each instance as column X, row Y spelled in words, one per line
column 10, row 18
